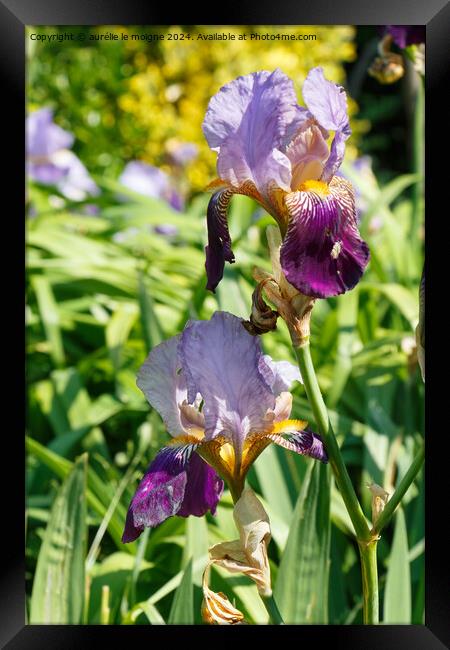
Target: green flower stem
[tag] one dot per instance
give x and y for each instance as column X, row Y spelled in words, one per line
column 272, row 609
column 367, row 545
column 400, row 492
column 337, row 464
column 369, row 570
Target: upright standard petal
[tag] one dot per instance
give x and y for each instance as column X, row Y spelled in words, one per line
column 323, row 254
column 218, row 249
column 163, row 383
column 221, row 360
column 328, row 103
column 307, row 152
column 177, row 482
column 249, row 122
column 279, row 375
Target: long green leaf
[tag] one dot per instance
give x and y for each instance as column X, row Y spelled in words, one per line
column 397, row 595
column 50, row 318
column 58, row 588
column 273, row 485
column 301, row 590
column 347, row 315
column 182, row 610
column 98, row 494
column 151, row 327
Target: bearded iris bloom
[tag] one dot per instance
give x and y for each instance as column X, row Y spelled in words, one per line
column 223, row 401
column 276, row 152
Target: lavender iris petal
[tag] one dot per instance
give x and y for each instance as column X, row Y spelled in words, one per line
column 221, row 362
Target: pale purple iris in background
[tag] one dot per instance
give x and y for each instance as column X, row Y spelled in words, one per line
column 150, row 181
column 275, row 151
column 363, row 167
column 181, row 153
column 50, row 161
column 224, row 402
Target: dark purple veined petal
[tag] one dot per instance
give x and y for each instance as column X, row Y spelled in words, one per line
column 323, row 254
column 306, row 443
column 218, row 249
column 404, row 35
column 203, row 489
column 177, row 482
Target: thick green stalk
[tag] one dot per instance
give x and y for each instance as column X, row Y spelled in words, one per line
column 367, row 545
column 399, row 493
column 272, row 609
column 337, row 464
column 369, row 571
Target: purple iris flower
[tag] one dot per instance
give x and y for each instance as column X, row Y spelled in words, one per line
column 50, row 161
column 404, row 35
column 224, row 402
column 275, row 151
column 181, row 153
column 150, row 181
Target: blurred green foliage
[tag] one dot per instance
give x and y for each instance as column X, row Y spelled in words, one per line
column 98, row 302
column 131, row 99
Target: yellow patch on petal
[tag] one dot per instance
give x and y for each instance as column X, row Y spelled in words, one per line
column 194, row 437
column 253, row 446
column 318, row 187
column 289, row 426
column 226, row 454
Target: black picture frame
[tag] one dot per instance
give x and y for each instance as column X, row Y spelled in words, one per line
column 435, row 14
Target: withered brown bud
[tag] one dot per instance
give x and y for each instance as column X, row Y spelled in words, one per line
column 262, row 319
column 387, row 69
column 291, row 305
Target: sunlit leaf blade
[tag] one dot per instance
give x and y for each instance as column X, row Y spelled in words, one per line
column 151, row 327
column 397, row 594
column 347, row 314
column 196, row 545
column 58, row 588
column 98, row 494
column 301, row 590
column 273, row 485
column 152, row 614
column 182, row 610
column 50, row 318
